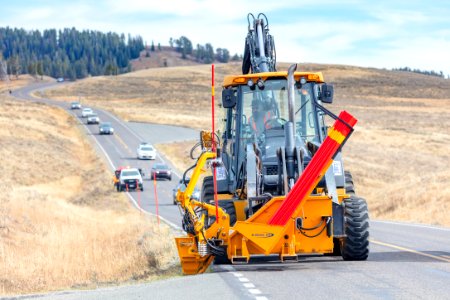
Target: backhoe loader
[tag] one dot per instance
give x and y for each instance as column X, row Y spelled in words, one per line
column 282, row 190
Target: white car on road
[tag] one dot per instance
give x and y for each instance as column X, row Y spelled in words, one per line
column 146, row 151
column 93, row 119
column 86, row 112
column 75, row 105
column 130, row 179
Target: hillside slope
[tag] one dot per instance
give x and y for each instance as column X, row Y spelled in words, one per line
column 56, row 231
column 399, row 153
column 166, row 57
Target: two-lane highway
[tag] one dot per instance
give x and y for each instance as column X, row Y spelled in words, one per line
column 119, row 149
column 407, row 261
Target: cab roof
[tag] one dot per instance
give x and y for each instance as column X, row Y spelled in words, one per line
column 234, row 80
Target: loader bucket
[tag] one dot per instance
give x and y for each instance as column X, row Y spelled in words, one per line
column 191, row 262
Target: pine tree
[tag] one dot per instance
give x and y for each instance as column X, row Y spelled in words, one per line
column 209, row 54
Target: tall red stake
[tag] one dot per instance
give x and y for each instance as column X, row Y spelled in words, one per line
column 139, row 195
column 214, row 143
column 156, row 197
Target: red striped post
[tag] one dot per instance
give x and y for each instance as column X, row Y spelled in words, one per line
column 213, row 143
column 139, row 195
column 156, row 197
column 315, row 170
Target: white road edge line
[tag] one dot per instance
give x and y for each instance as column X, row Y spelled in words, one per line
column 96, row 141
column 152, row 214
column 412, row 225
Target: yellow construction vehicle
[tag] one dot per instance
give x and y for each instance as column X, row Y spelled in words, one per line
column 278, row 178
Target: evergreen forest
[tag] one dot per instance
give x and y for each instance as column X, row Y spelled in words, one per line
column 67, row 53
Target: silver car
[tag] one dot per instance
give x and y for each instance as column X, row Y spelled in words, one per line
column 145, row 151
column 86, row 112
column 75, row 105
column 93, row 119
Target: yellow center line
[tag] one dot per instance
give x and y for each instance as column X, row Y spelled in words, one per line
column 123, row 143
column 441, row 258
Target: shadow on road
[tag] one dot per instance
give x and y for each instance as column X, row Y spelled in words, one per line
column 405, row 256
column 271, row 264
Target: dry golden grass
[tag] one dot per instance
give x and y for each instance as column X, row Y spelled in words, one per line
column 14, row 83
column 162, row 96
column 56, row 232
column 399, row 153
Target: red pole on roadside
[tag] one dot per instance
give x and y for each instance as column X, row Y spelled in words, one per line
column 139, row 195
column 213, row 143
column 156, row 197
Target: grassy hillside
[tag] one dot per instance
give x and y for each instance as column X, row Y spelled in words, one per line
column 166, row 57
column 56, row 231
column 399, row 154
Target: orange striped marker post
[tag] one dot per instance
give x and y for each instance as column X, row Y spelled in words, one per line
column 315, row 170
column 213, row 144
column 156, row 197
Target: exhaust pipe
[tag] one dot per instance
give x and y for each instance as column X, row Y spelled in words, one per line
column 289, row 129
column 291, row 92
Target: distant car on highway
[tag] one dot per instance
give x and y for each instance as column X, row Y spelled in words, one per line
column 105, row 128
column 60, row 79
column 146, row 151
column 182, row 186
column 75, row 105
column 86, row 112
column 93, row 119
column 159, row 171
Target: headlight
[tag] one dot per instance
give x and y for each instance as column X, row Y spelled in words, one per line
column 112, row 130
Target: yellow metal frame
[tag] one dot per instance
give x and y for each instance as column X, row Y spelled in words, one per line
column 252, row 236
column 307, row 229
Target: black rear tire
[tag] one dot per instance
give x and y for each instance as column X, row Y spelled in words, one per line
column 207, row 194
column 349, row 185
column 228, row 206
column 355, row 246
column 230, row 209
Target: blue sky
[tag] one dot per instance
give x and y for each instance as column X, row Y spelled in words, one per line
column 381, row 34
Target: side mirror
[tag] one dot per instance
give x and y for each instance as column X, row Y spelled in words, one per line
column 327, row 93
column 228, row 98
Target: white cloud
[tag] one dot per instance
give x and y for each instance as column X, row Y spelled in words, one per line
column 383, row 34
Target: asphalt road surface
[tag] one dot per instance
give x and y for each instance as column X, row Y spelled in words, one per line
column 407, row 261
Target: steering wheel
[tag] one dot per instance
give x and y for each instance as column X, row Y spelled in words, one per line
column 275, row 123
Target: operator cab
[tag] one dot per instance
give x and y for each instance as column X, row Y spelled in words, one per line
column 242, row 133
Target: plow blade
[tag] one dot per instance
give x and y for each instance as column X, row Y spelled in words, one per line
column 192, row 262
